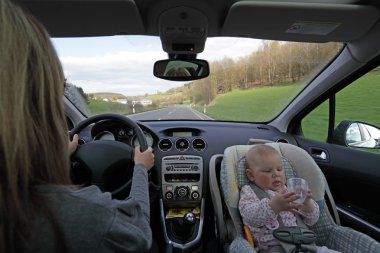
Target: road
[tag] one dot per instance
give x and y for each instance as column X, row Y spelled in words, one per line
column 174, row 112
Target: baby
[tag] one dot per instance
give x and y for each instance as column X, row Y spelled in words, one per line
column 264, row 169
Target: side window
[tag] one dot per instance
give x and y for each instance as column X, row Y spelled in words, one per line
column 357, row 119
column 315, row 124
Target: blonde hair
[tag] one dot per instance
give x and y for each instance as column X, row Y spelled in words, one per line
column 33, row 131
column 258, row 152
column 178, row 72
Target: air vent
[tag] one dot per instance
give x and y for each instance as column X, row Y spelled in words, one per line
column 281, row 140
column 165, row 145
column 199, row 144
column 182, row 144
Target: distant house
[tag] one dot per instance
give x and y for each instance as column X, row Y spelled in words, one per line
column 106, row 99
column 122, row 101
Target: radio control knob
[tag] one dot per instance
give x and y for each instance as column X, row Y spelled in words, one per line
column 195, row 195
column 169, row 195
column 182, row 191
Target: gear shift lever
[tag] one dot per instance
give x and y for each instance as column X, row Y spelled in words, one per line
column 189, row 219
column 183, row 229
column 188, row 222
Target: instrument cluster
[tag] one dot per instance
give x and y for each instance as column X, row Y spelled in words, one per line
column 114, row 132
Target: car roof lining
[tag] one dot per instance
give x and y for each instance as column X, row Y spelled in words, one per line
column 248, row 18
column 309, row 22
column 87, row 18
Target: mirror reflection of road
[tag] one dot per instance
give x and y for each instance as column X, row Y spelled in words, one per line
column 174, row 112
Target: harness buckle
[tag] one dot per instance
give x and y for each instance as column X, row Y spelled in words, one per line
column 296, row 236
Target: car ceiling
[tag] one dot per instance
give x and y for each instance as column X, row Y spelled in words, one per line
column 348, row 20
column 191, row 22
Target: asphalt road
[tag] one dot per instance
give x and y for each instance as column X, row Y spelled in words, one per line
column 174, row 112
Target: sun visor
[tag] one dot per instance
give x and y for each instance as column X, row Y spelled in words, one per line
column 310, row 22
column 183, row 30
column 86, row 18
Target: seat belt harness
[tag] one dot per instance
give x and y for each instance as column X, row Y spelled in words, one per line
column 292, row 239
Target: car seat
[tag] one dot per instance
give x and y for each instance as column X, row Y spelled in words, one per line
column 227, row 179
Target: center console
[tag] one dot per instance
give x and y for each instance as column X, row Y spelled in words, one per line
column 182, row 205
column 181, row 178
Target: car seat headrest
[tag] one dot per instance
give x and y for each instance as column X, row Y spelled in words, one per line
column 296, row 162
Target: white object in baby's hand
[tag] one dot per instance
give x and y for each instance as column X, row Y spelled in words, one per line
column 299, row 186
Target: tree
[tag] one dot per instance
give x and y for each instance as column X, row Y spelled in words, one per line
column 273, row 63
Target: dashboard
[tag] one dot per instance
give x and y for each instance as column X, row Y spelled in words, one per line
column 183, row 150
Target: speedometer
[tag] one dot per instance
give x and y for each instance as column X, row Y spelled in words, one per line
column 105, row 135
column 148, row 137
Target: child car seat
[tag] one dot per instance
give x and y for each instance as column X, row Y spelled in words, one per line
column 296, row 162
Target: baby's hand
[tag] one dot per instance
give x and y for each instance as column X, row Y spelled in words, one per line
column 283, row 201
column 308, row 205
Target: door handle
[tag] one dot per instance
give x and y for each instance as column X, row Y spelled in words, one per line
column 319, row 154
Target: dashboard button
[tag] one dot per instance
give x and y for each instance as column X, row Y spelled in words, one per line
column 194, row 187
column 169, row 195
column 195, row 195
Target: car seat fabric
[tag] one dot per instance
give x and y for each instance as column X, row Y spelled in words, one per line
column 296, row 162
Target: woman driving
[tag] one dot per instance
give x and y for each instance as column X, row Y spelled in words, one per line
column 40, row 209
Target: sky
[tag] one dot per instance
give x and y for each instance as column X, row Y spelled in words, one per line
column 124, row 64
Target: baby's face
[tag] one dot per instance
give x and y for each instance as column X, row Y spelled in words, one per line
column 268, row 173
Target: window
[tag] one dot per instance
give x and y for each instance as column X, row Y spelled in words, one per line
column 357, row 120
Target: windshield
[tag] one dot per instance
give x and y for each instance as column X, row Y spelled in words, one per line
column 250, row 80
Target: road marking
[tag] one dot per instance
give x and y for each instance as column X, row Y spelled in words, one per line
column 170, row 113
column 203, row 115
column 146, row 112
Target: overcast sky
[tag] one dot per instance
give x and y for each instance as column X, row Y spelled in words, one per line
column 124, row 64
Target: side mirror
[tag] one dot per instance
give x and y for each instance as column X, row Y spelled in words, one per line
column 181, row 70
column 356, row 134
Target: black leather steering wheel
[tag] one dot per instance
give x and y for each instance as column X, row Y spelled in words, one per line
column 100, row 160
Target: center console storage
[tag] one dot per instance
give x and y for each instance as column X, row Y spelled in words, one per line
column 182, row 205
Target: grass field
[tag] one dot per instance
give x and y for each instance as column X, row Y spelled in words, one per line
column 359, row 102
column 254, row 105
column 98, row 106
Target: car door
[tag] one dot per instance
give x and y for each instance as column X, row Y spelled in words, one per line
column 352, row 171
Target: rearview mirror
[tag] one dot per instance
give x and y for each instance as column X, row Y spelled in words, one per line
column 181, row 70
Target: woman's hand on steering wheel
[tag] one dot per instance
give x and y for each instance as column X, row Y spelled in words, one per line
column 145, row 158
column 73, row 144
column 103, row 162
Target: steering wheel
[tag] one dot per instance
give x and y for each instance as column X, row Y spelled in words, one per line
column 98, row 161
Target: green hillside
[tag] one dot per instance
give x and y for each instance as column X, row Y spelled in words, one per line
column 254, row 105
column 350, row 103
column 99, row 106
column 263, row 104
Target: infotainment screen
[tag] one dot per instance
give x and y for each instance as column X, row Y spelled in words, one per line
column 182, row 134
